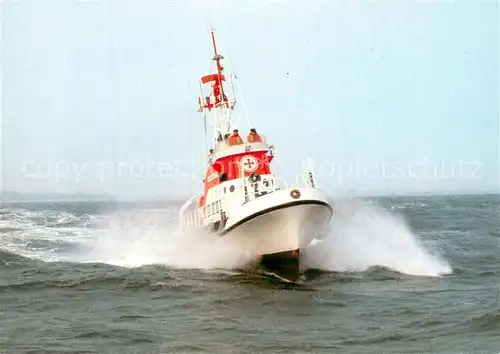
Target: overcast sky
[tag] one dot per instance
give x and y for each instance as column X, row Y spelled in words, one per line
column 384, row 97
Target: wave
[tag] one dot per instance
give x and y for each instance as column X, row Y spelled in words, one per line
column 490, row 320
column 363, row 236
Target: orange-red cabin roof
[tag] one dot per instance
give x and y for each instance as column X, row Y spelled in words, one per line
column 236, row 166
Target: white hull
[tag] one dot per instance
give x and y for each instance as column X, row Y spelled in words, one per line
column 271, row 229
column 278, row 223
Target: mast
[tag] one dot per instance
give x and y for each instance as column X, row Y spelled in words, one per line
column 216, row 104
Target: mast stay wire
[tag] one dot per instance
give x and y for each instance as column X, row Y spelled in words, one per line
column 239, row 92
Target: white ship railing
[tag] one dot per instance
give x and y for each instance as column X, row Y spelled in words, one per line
column 250, row 191
column 187, row 218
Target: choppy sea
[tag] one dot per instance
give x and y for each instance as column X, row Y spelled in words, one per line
column 394, row 275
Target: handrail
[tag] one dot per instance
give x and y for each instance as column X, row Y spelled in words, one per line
column 189, row 201
column 248, row 191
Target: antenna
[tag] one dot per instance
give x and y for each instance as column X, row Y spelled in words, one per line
column 216, row 102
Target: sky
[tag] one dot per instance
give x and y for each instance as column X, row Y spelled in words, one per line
column 383, row 97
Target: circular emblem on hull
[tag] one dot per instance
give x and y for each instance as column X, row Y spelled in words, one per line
column 249, row 163
column 295, row 194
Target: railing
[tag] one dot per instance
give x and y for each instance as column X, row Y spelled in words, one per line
column 191, row 219
column 251, row 191
column 224, row 144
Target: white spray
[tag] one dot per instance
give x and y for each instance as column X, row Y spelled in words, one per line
column 361, row 236
column 151, row 238
column 364, row 235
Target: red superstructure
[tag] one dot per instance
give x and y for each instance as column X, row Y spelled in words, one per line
column 229, row 162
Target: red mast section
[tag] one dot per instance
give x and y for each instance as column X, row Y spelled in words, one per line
column 217, row 96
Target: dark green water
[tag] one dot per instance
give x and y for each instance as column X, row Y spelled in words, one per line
column 409, row 275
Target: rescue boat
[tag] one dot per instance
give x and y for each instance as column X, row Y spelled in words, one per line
column 243, row 200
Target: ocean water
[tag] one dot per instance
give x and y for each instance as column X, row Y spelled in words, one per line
column 393, row 275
